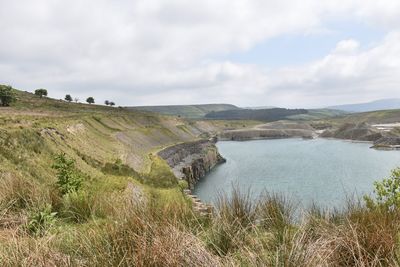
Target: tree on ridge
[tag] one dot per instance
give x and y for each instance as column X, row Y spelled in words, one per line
column 41, row 92
column 90, row 100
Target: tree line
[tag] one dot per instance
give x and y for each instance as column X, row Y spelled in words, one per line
column 7, row 96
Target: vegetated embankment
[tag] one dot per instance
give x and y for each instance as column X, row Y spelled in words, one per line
column 273, row 130
column 192, row 160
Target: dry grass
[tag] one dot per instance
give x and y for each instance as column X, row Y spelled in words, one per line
column 243, row 232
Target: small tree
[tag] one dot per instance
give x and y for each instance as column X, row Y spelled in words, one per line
column 68, row 98
column 41, row 92
column 6, row 95
column 112, row 104
column 387, row 193
column 90, row 100
column 76, row 100
column 107, row 102
column 69, row 179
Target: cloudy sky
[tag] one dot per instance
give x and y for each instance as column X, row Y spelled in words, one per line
column 305, row 53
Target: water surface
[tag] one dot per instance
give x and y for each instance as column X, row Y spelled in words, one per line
column 321, row 170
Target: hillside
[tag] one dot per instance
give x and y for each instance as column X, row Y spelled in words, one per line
column 114, row 152
column 316, row 114
column 382, row 104
column 186, row 111
column 373, row 117
column 273, row 114
column 88, row 185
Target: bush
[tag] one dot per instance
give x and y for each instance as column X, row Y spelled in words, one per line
column 41, row 92
column 6, row 95
column 69, row 180
column 90, row 100
column 387, row 193
column 68, row 98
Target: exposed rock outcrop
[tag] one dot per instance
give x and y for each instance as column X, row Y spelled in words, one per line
column 193, row 160
column 271, row 130
column 387, row 142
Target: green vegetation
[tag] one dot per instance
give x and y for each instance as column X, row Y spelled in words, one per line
column 387, row 193
column 90, row 100
column 317, row 114
column 41, row 92
column 272, row 114
column 68, row 98
column 119, row 169
column 187, row 111
column 6, row 95
column 41, row 221
column 109, row 103
column 69, row 179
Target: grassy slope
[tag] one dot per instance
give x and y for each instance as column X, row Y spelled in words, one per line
column 187, row 111
column 380, row 116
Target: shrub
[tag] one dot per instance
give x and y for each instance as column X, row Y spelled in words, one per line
column 6, row 95
column 41, row 92
column 68, row 98
column 69, row 180
column 90, row 100
column 387, row 193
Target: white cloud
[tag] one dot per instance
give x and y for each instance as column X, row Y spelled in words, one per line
column 160, row 52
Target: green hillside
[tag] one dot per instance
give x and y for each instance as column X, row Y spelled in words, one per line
column 187, row 111
column 272, row 114
column 315, row 114
column 380, row 116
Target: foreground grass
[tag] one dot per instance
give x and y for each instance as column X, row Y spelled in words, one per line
column 160, row 229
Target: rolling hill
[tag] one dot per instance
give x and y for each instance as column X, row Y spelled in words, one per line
column 272, row 114
column 382, row 104
column 186, row 111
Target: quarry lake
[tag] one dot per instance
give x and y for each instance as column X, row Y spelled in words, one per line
column 321, row 170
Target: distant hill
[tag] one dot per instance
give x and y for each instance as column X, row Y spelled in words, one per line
column 272, row 114
column 316, row 114
column 262, row 107
column 382, row 104
column 187, row 111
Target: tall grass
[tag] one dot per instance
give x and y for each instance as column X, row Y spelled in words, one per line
column 243, row 231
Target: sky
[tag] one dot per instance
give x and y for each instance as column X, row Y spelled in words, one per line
column 306, row 53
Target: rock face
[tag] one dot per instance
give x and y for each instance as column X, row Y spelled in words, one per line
column 271, row 130
column 387, row 142
column 193, row 160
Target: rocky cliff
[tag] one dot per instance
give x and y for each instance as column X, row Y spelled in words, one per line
column 192, row 160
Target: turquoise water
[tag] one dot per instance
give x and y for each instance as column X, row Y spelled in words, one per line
column 323, row 171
